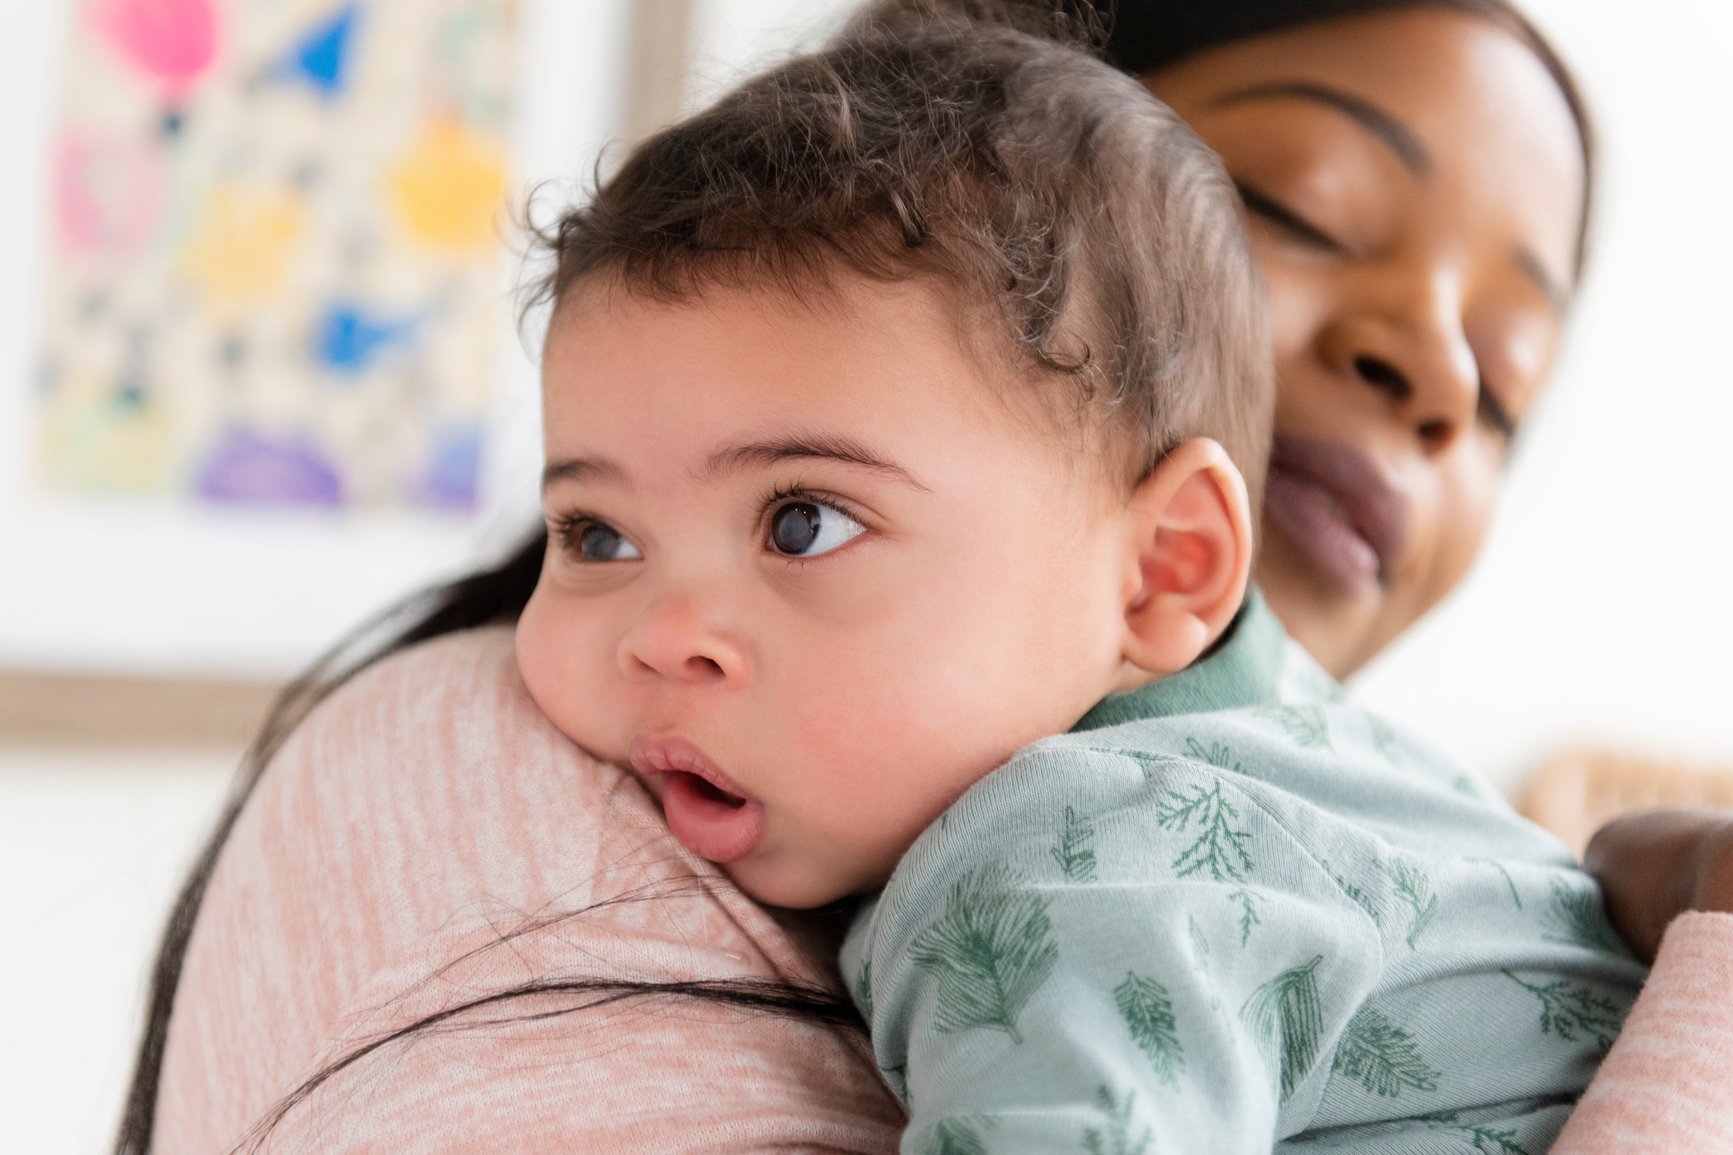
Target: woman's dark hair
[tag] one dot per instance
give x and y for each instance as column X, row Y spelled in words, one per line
column 1144, row 35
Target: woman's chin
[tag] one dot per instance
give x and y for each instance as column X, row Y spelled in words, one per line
column 1336, row 627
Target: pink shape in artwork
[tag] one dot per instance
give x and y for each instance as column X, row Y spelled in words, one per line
column 171, row 40
column 108, row 193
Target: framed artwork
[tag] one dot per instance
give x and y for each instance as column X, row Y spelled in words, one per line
column 258, row 369
column 273, row 274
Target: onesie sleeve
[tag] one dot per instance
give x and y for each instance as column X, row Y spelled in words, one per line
column 1097, row 951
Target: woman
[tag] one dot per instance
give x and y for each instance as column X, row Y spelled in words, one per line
column 1417, row 176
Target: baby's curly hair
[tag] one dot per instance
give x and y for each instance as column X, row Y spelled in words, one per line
column 985, row 146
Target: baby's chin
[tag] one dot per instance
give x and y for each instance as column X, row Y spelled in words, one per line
column 771, row 879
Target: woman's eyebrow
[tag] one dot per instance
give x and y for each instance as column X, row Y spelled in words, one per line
column 1556, row 294
column 1391, row 133
column 824, row 447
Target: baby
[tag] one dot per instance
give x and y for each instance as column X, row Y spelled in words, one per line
column 905, row 414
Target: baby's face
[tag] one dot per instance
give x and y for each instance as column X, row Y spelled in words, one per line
column 808, row 573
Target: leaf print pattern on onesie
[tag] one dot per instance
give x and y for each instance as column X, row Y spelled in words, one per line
column 1305, row 726
column 1146, row 762
column 1286, row 1017
column 1414, row 888
column 1487, row 1140
column 1360, row 898
column 1148, row 1013
column 1384, row 740
column 1570, row 1010
column 1493, row 1141
column 1575, row 917
column 1199, row 945
column 1217, row 755
column 1220, row 849
column 1075, row 852
column 1382, row 1057
column 863, row 991
column 1509, row 882
column 1248, row 904
column 952, row 1137
column 989, row 952
column 1116, row 1139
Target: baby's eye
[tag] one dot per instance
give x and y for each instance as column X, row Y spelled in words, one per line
column 810, row 528
column 598, row 541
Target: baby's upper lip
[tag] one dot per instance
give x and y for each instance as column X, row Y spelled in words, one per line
column 670, row 754
column 1373, row 507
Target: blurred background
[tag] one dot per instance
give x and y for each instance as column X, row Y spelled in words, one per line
column 260, row 376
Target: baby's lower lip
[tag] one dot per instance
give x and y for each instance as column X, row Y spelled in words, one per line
column 1320, row 531
column 707, row 821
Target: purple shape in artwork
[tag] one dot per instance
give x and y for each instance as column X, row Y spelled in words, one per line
column 453, row 470
column 249, row 468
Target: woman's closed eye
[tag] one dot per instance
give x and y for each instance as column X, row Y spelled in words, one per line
column 1493, row 411
column 1271, row 210
column 801, row 526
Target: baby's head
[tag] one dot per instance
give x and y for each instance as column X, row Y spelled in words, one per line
column 898, row 408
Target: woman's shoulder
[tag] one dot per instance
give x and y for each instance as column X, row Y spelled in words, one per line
column 426, row 837
column 438, row 753
column 463, row 685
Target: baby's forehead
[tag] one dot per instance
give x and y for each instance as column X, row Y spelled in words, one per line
column 887, row 311
column 904, row 356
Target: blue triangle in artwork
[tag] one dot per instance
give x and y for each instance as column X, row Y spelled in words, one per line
column 348, row 340
column 321, row 55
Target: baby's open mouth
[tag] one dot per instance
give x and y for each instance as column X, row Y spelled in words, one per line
column 706, row 789
column 709, row 819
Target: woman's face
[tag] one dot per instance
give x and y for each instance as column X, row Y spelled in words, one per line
column 1414, row 182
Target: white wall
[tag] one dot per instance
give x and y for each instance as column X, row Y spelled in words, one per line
column 731, row 38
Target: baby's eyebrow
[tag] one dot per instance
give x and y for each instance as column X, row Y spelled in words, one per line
column 582, row 469
column 825, row 447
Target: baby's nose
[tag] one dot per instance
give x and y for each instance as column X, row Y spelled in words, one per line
column 680, row 638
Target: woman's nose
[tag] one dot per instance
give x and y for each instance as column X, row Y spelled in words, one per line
column 680, row 638
column 1417, row 357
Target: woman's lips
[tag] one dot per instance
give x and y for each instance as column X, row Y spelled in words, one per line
column 706, row 812
column 1332, row 504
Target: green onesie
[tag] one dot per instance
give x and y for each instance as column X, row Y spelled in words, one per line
column 1230, row 913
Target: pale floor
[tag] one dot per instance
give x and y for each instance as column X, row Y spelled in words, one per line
column 93, row 844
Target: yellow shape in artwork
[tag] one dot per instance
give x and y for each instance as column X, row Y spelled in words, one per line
column 447, row 187
column 244, row 242
column 92, row 447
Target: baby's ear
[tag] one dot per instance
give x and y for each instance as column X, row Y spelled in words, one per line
column 1193, row 555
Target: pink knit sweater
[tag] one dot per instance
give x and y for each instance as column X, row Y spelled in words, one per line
column 424, row 840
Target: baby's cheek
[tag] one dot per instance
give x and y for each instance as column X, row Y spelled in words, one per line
column 550, row 665
column 534, row 658
column 886, row 751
